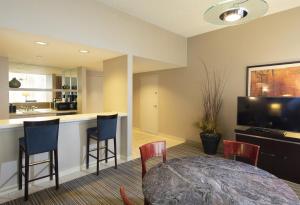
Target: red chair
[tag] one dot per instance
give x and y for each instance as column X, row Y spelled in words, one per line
column 124, row 196
column 241, row 149
column 154, row 149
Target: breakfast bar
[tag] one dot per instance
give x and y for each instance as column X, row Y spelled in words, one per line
column 71, row 145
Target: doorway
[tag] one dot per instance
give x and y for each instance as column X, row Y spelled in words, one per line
column 149, row 104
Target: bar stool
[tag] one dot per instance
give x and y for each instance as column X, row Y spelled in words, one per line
column 39, row 137
column 106, row 129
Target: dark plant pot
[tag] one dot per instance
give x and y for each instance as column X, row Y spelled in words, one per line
column 210, row 142
column 14, row 83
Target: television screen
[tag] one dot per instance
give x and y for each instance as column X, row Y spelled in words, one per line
column 282, row 113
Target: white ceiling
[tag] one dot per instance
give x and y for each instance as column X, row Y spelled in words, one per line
column 184, row 17
column 21, row 48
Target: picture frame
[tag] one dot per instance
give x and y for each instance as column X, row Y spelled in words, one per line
column 273, row 80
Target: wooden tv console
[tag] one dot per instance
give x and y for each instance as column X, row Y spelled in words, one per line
column 279, row 155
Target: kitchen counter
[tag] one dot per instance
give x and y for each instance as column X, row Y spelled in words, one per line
column 39, row 112
column 71, row 145
column 12, row 123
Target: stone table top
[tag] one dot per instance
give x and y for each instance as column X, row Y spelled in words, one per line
column 208, row 180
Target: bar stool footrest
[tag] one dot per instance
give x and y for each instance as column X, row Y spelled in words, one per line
column 102, row 159
column 42, row 177
column 39, row 162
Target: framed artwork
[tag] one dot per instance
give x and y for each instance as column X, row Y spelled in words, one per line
column 274, row 80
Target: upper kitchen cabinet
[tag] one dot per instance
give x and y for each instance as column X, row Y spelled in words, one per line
column 67, row 81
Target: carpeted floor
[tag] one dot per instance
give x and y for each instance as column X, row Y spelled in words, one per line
column 104, row 189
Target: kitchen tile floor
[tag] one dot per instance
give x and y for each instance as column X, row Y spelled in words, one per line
column 140, row 138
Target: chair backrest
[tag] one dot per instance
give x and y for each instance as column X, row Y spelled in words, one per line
column 107, row 126
column 153, row 149
column 124, row 196
column 241, row 149
column 40, row 136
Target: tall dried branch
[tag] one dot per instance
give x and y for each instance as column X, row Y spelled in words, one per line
column 212, row 99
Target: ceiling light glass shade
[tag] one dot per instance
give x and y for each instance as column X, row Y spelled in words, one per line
column 233, row 12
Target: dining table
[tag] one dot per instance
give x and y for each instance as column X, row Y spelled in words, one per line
column 211, row 180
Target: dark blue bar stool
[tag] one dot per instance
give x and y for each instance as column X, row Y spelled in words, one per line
column 39, row 137
column 106, row 129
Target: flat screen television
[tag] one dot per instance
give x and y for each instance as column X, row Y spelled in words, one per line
column 282, row 113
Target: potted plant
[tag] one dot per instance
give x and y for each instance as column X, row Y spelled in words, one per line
column 212, row 100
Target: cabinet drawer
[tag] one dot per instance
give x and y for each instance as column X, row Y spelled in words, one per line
column 277, row 157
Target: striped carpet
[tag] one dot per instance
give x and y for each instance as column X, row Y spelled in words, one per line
column 104, row 189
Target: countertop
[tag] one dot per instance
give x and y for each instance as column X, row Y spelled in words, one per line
column 41, row 111
column 211, row 180
column 14, row 123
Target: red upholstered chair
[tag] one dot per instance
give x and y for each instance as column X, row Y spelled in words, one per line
column 241, row 149
column 153, row 149
column 124, row 196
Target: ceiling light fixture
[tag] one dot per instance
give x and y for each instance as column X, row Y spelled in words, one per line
column 233, row 12
column 42, row 43
column 83, row 51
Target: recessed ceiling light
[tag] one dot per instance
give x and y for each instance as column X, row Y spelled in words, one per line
column 233, row 12
column 42, row 43
column 83, row 51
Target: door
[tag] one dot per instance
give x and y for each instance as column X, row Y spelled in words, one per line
column 149, row 103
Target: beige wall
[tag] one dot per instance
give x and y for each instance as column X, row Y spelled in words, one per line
column 270, row 39
column 115, row 86
column 82, row 92
column 25, row 68
column 94, row 91
column 136, row 101
column 92, row 23
column 4, row 113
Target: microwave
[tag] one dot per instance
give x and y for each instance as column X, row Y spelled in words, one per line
column 66, row 106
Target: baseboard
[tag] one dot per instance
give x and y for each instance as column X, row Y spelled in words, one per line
column 193, row 143
column 136, row 129
column 172, row 137
column 199, row 144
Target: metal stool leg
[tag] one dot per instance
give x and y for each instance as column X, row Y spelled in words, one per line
column 20, row 164
column 26, row 176
column 87, row 152
column 98, row 157
column 115, row 150
column 51, row 165
column 106, row 150
column 56, row 169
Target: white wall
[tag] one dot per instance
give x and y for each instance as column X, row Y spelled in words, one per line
column 4, row 114
column 94, row 89
column 92, row 23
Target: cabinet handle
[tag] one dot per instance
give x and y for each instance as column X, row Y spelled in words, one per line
column 268, row 154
